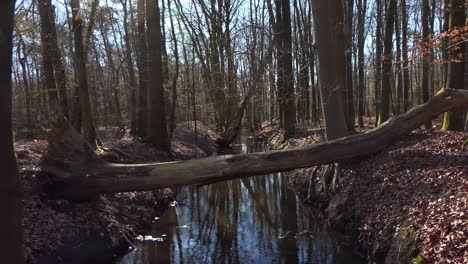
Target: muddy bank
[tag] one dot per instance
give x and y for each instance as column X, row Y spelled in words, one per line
column 57, row 231
column 406, row 204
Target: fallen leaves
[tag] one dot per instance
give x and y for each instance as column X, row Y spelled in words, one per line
column 50, row 224
column 418, row 184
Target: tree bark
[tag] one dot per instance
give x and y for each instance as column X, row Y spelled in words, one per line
column 99, row 177
column 10, row 195
column 329, row 28
column 361, row 9
column 132, row 83
column 426, row 52
column 21, row 49
column 59, row 67
column 378, row 61
column 398, row 68
column 47, row 62
column 387, row 62
column 142, row 106
column 454, row 120
column 349, row 64
column 89, row 31
column 405, row 64
column 172, row 119
column 330, row 48
column 287, row 71
column 157, row 129
column 89, row 130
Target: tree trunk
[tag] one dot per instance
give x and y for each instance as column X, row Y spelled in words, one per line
column 378, row 61
column 349, row 64
column 132, row 83
column 52, row 57
column 114, row 76
column 89, row 31
column 47, row 62
column 172, row 119
column 406, row 76
column 89, row 131
column 361, row 9
column 10, row 195
column 288, row 78
column 59, row 68
column 387, row 62
column 99, row 177
column 157, row 128
column 329, row 29
column 398, row 68
column 328, row 18
column 426, row 52
column 27, row 88
column 142, row 106
column 454, row 120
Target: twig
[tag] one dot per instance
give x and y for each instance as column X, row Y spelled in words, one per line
column 456, row 44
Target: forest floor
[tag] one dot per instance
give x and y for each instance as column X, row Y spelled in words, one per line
column 98, row 231
column 405, row 204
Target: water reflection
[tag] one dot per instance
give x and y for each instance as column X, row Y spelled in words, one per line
column 253, row 220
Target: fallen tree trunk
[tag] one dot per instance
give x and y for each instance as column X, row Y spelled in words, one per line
column 89, row 176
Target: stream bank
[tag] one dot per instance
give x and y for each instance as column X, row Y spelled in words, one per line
column 406, row 204
column 98, row 231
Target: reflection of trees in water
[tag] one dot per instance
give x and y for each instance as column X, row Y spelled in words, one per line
column 288, row 246
column 248, row 220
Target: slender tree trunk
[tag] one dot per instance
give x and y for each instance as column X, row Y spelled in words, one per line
column 378, row 61
column 285, row 74
column 426, row 51
column 361, row 9
column 399, row 75
column 349, row 63
column 132, row 83
column 114, row 77
column 172, row 120
column 89, row 130
column 387, row 62
column 10, row 195
column 89, row 31
column 27, row 88
column 445, row 55
column 405, row 64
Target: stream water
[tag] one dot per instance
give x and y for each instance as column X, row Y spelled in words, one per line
column 251, row 220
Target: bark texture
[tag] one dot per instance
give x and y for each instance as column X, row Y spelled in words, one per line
column 89, row 130
column 157, row 128
column 10, row 197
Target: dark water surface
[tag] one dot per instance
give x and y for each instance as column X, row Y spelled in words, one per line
column 252, row 220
